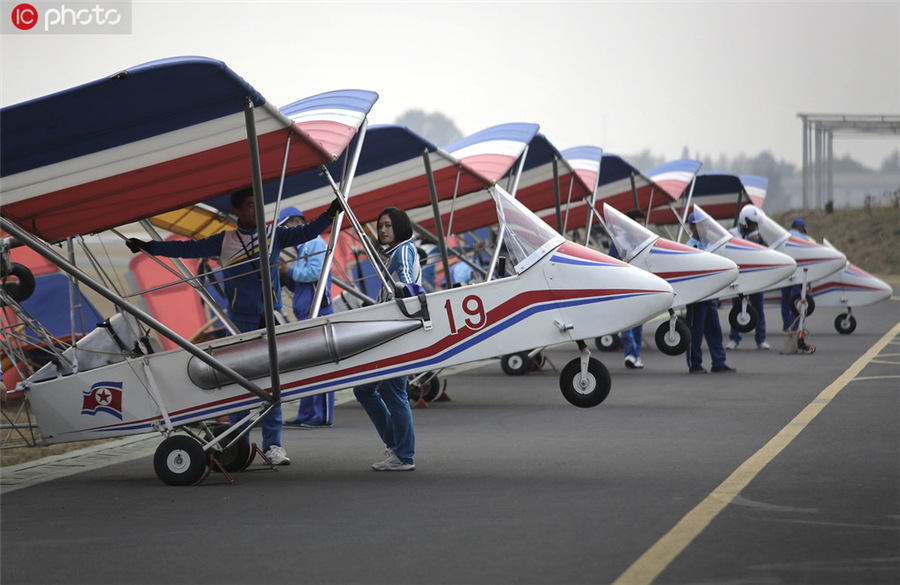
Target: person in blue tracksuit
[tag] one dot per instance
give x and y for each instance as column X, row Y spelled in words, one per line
column 238, row 251
column 632, row 339
column 703, row 319
column 748, row 228
column 386, row 402
column 301, row 277
column 789, row 321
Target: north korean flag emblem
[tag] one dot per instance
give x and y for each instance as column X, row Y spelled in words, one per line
column 103, row 397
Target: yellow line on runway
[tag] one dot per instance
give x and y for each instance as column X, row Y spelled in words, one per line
column 653, row 562
column 864, row 378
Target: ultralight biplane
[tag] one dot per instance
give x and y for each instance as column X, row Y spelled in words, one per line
column 621, row 184
column 177, row 132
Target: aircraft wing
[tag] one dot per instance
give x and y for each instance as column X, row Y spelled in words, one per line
column 546, row 174
column 155, row 138
column 674, row 177
column 392, row 172
column 719, row 194
column 756, row 187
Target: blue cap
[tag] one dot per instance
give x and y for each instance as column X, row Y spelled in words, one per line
column 798, row 222
column 694, row 217
column 289, row 212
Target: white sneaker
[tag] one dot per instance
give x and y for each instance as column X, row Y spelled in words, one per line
column 638, row 364
column 763, row 345
column 393, row 465
column 731, row 345
column 278, row 456
column 629, row 362
column 388, row 458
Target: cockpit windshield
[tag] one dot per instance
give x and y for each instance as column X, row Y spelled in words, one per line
column 712, row 234
column 629, row 236
column 526, row 237
column 772, row 233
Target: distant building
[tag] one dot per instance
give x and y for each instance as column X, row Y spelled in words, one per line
column 850, row 190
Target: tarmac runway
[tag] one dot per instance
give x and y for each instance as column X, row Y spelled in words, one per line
column 786, row 472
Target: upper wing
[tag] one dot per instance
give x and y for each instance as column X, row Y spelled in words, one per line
column 155, row 138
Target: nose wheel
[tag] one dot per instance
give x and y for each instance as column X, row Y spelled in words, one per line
column 796, row 305
column 610, row 342
column 673, row 336
column 743, row 317
column 845, row 323
column 519, row 364
column 585, row 382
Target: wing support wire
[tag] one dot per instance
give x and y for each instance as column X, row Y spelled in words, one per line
column 189, row 278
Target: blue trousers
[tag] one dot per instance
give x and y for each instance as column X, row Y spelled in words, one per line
column 632, row 340
column 789, row 321
column 388, row 408
column 272, row 423
column 703, row 319
column 317, row 410
column 756, row 301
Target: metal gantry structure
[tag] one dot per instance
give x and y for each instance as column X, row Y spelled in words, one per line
column 819, row 131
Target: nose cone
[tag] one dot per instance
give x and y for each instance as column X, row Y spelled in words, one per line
column 613, row 295
column 851, row 287
column 818, row 261
column 760, row 267
column 693, row 274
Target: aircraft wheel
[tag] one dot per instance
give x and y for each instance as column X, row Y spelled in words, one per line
column 743, row 322
column 428, row 390
column 595, row 387
column 519, row 364
column 673, row 342
column 810, row 305
column 235, row 457
column 22, row 286
column 610, row 342
column 845, row 323
column 180, row 460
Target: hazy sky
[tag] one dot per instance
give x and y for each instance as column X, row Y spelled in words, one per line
column 717, row 77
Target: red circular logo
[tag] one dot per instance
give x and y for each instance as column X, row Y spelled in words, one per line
column 24, row 16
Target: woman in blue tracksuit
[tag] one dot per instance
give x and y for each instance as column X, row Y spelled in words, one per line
column 386, row 402
column 238, row 251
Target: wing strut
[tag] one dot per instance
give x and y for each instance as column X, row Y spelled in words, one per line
column 448, row 278
column 344, row 194
column 559, row 225
column 265, row 270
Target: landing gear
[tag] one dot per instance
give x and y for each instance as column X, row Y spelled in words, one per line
column 234, row 457
column 519, row 364
column 610, row 342
column 585, row 381
column 426, row 386
column 673, row 336
column 744, row 317
column 180, row 460
column 845, row 323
